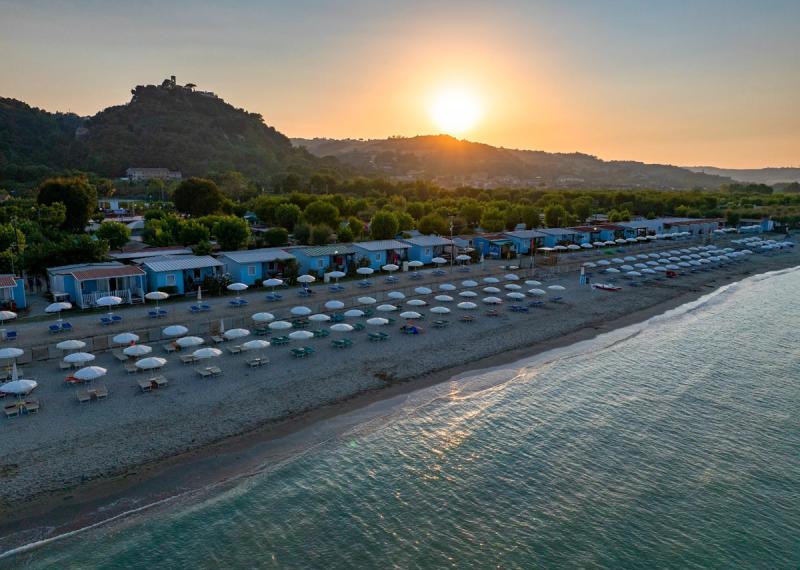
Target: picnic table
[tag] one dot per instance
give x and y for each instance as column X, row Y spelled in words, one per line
column 377, row 336
column 257, row 361
column 280, row 340
column 341, row 343
column 321, row 333
column 302, row 352
column 300, row 323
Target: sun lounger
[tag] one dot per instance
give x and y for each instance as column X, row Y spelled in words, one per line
column 300, row 323
column 321, row 333
column 536, row 304
column 194, row 308
column 169, row 348
column 105, row 321
column 66, row 327
column 54, row 329
column 467, row 319
column 161, row 313
column 83, row 396
column 11, row 411
column 337, row 318
column 256, row 362
column 204, row 308
column 10, row 335
column 116, row 318
column 441, row 323
column 131, row 368
column 187, row 358
column 64, row 365
column 119, row 355
column 556, row 299
column 374, row 337
column 235, row 349
column 217, row 339
column 145, row 385
column 159, row 381
column 341, row 343
column 152, row 314
column 280, row 340
column 101, row 393
column 492, row 313
column 215, row 370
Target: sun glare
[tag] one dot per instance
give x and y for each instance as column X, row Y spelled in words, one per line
column 455, row 111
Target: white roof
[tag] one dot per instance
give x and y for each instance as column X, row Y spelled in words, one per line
column 525, row 234
column 382, row 244
column 263, row 255
column 181, row 262
column 428, row 241
column 559, row 232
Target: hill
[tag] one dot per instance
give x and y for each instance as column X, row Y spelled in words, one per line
column 165, row 125
column 769, row 176
column 451, row 163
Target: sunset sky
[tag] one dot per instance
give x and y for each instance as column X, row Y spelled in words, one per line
column 681, row 82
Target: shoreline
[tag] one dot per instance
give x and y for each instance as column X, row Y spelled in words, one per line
column 149, row 484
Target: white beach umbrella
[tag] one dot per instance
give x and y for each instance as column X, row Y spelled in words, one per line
column 234, row 334
column 492, row 300
column 71, row 344
column 467, row 305
column 598, row 243
column 367, row 300
column 612, row 270
column 58, row 307
column 263, row 317
column 468, row 294
column 533, row 283
column 673, row 267
column 439, row 260
column 206, row 352
column 7, row 316
column 125, row 338
column 463, row 257
column 150, row 363
column 272, row 282
column 300, row 311
column 617, row 260
column 377, row 321
column 491, row 280
column 397, row 295
column 319, row 318
column 440, row 310
column 652, row 263
column 279, row 325
column 19, row 387
column 410, row 315
column 469, row 283
column 633, row 274
column 256, row 344
column 443, row 298
column 337, row 275
column 90, row 373
column 447, row 287
column 79, row 357
column 334, row 305
column 648, row 271
column 629, row 258
column 513, row 286
column 660, row 268
column 189, row 341
column 516, row 295
column 137, row 350
column 156, row 296
column 604, row 262
column 491, row 290
column 588, row 264
column 573, row 247
column 415, row 263
column 684, row 264
column 365, row 271
column 423, row 291
column 108, row 301
column 537, row 292
column 386, row 308
column 10, row 352
column 639, row 266
column 560, row 248
column 174, row 330
column 342, row 327
column 354, row 313
column 511, row 277
column 626, row 268
column 586, row 246
column 306, row 279
column 556, row 287
column 416, row 303
column 390, row 267
column 301, row 335
column 237, row 287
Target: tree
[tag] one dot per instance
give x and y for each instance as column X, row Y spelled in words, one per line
column 231, row 233
column 275, row 237
column 321, row 235
column 198, row 197
column 530, row 216
column 471, row 211
column 302, row 233
column 732, row 218
column 356, row 226
column 433, row 224
column 286, row 215
column 404, row 221
column 319, row 212
column 192, row 232
column 10, row 240
column 235, row 185
column 345, row 235
column 555, row 216
column 384, row 225
column 77, row 195
column 493, row 219
column 115, row 233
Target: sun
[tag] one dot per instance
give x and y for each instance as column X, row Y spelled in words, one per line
column 456, row 110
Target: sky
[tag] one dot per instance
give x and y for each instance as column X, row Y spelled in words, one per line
column 687, row 82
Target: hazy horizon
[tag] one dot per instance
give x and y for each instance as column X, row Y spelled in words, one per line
column 705, row 83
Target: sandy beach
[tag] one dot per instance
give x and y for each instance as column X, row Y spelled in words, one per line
column 61, row 455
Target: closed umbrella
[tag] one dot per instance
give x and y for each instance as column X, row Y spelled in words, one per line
column 234, row 334
column 125, row 338
column 137, row 350
column 90, row 373
column 174, row 330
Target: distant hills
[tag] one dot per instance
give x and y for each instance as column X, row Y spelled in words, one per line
column 165, row 125
column 452, row 163
column 769, row 176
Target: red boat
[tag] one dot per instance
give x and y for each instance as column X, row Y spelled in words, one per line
column 606, row 287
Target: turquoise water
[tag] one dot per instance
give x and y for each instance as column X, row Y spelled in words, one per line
column 674, row 445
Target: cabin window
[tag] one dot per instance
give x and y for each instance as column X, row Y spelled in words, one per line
column 427, row 251
column 320, row 263
column 251, row 270
column 170, row 279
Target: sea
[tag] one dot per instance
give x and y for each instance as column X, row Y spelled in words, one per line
column 673, row 443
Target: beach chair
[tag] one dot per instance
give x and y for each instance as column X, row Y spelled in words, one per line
column 321, row 333
column 116, row 319
column 66, row 327
column 105, row 321
column 54, row 329
column 556, row 299
column 373, row 336
column 11, row 411
column 119, row 355
column 384, row 336
column 358, row 326
column 152, row 314
column 257, row 361
column 204, row 372
column 145, row 385
column 440, row 324
column 204, row 307
column 131, row 368
column 303, row 293
column 194, row 309
column 64, row 365
column 309, row 350
column 10, row 335
column 215, row 370
column 536, row 304
column 364, row 284
column 217, row 339
column 187, row 358
column 159, row 381
column 101, row 393
column 235, row 349
column 162, row 313
column 233, row 303
column 298, row 352
column 83, row 396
